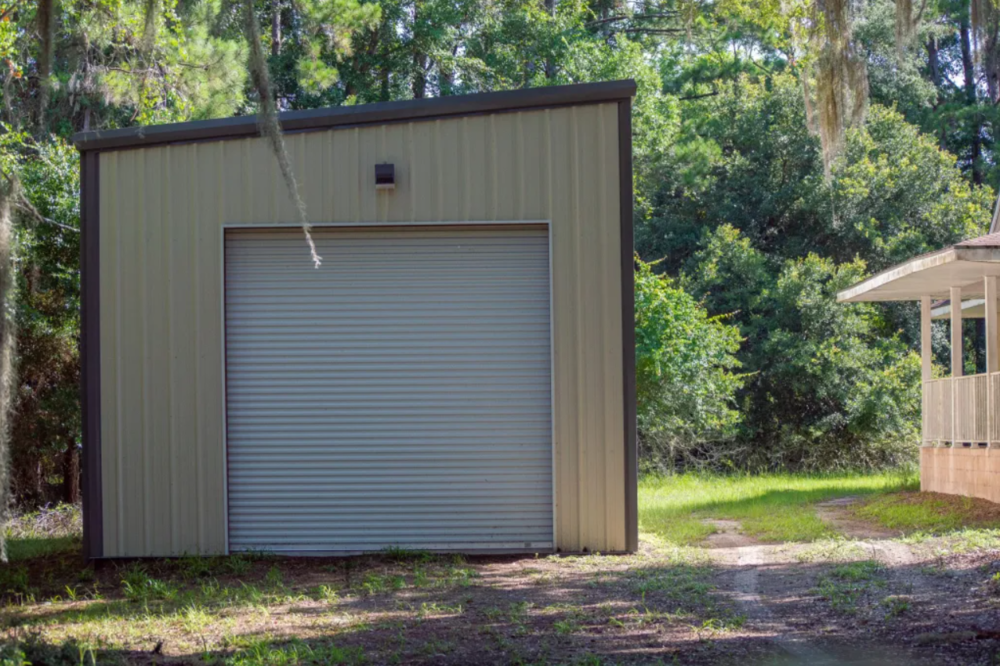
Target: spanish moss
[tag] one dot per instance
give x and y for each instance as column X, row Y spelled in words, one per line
column 985, row 19
column 267, row 120
column 841, row 78
column 905, row 24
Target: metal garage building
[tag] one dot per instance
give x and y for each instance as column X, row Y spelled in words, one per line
column 457, row 375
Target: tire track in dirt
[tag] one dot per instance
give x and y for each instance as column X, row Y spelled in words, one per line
column 750, row 559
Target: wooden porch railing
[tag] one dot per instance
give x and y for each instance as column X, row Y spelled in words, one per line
column 937, row 410
column 962, row 409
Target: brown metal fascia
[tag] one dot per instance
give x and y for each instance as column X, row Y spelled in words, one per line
column 368, row 114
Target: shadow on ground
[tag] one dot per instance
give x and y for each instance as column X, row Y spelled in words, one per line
column 660, row 606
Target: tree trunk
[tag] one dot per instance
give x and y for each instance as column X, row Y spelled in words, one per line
column 934, row 71
column 446, row 79
column 275, row 27
column 550, row 63
column 71, row 472
column 969, row 72
column 419, row 75
column 991, row 64
column 419, row 84
column 384, row 85
column 933, row 63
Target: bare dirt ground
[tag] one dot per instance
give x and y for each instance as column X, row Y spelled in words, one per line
column 866, row 598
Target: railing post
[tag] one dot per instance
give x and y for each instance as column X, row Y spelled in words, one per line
column 956, row 356
column 925, row 363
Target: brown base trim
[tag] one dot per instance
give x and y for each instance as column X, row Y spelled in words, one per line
column 628, row 324
column 90, row 354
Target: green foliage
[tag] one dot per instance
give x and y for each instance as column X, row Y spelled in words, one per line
column 833, row 392
column 46, row 418
column 895, row 194
column 756, row 232
column 828, row 389
column 685, row 377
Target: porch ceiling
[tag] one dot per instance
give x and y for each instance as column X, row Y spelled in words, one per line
column 963, row 265
column 973, row 308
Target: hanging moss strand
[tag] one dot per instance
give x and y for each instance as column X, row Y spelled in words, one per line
column 267, row 120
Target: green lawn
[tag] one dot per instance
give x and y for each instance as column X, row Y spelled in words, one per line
column 925, row 514
column 770, row 507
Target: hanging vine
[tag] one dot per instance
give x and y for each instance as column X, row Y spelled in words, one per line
column 841, row 78
column 267, row 120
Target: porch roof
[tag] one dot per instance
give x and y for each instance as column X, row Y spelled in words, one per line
column 933, row 274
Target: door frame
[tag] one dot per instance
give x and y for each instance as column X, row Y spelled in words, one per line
column 386, row 226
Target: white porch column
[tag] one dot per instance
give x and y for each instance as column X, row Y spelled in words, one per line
column 956, row 357
column 925, row 338
column 990, row 291
column 925, row 366
column 956, row 331
column 992, row 359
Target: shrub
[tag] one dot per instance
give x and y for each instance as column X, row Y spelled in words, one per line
column 685, row 374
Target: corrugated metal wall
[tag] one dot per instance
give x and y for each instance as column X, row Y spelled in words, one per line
column 161, row 274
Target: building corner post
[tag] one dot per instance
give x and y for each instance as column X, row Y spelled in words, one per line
column 628, row 324
column 90, row 355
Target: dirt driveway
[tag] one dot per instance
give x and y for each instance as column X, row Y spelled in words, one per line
column 867, row 598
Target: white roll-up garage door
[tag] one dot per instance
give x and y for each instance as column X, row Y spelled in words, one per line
column 399, row 395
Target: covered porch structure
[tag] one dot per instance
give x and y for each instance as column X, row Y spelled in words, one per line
column 960, row 452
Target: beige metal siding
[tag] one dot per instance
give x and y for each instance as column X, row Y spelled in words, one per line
column 161, row 214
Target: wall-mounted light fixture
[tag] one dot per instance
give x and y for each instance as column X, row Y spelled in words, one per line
column 385, row 176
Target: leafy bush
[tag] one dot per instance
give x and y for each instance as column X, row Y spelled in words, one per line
column 755, row 231
column 828, row 389
column 685, row 377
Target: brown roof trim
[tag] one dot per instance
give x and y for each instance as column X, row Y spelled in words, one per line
column 313, row 119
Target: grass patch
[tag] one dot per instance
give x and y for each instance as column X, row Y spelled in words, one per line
column 264, row 653
column 929, row 512
column 48, row 531
column 770, row 507
column 848, row 584
column 19, row 549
